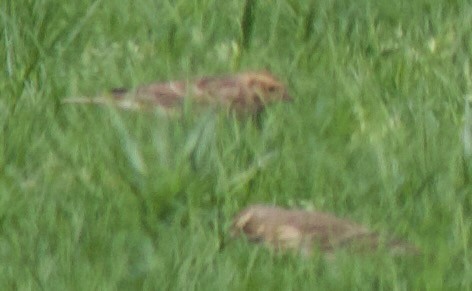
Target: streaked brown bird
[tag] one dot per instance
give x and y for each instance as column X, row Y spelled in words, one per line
column 244, row 92
column 305, row 231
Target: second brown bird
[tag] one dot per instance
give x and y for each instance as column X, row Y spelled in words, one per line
column 304, row 231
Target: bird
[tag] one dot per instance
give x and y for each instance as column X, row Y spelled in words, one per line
column 243, row 92
column 304, row 231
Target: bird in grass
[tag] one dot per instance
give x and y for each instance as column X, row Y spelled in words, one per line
column 304, row 231
column 244, row 92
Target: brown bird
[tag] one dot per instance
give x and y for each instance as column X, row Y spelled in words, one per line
column 304, row 231
column 243, row 92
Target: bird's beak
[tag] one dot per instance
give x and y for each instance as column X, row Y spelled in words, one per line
column 286, row 97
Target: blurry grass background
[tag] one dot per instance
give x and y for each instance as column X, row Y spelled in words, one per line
column 93, row 198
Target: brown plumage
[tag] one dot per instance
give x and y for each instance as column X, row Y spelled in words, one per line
column 304, row 231
column 243, row 92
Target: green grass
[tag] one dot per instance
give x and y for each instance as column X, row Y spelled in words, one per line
column 93, row 198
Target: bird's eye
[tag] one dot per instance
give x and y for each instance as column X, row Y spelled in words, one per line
column 272, row 89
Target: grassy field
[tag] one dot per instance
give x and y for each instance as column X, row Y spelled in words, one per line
column 94, row 198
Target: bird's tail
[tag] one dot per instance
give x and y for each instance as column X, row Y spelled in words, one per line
column 401, row 247
column 110, row 101
column 372, row 241
column 86, row 100
column 122, row 103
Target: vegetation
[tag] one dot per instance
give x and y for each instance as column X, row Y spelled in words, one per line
column 95, row 198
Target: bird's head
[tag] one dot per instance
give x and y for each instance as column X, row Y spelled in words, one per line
column 265, row 87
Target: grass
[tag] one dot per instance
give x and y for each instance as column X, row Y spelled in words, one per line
column 100, row 199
